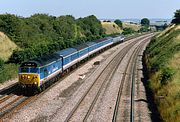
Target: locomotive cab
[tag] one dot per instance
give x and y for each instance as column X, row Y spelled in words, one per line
column 29, row 75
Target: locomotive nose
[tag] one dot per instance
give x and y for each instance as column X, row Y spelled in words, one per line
column 29, row 79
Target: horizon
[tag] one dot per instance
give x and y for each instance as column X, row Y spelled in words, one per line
column 86, row 16
column 113, row 9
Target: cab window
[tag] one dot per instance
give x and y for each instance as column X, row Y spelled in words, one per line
column 34, row 70
column 45, row 72
column 24, row 70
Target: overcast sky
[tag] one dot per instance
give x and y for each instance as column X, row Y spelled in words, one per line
column 112, row 9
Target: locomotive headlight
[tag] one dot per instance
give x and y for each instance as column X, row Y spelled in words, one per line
column 28, row 77
column 22, row 76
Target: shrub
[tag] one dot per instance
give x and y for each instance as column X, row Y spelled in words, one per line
column 144, row 29
column 128, row 31
column 118, row 22
column 166, row 75
column 1, row 64
column 176, row 19
column 8, row 72
column 145, row 22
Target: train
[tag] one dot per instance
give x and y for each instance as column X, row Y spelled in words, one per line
column 35, row 74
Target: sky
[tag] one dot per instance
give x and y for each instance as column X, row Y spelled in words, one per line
column 111, row 9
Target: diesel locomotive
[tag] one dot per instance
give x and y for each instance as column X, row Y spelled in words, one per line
column 36, row 73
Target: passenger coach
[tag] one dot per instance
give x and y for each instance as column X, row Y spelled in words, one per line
column 36, row 73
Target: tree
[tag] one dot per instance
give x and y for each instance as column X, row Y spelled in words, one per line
column 128, row 31
column 145, row 22
column 176, row 19
column 118, row 22
column 165, row 26
column 90, row 26
column 11, row 25
column 1, row 64
column 42, row 34
column 144, row 29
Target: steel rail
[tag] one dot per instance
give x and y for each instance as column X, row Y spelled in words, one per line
column 8, row 114
column 26, row 101
column 114, row 119
column 6, row 98
column 83, row 97
column 99, row 91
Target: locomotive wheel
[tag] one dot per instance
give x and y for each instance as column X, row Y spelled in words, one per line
column 43, row 87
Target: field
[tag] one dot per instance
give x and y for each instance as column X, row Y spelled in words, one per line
column 111, row 27
column 133, row 26
column 8, row 71
column 6, row 47
column 163, row 63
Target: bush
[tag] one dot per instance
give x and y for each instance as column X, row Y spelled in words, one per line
column 43, row 34
column 1, row 64
column 145, row 22
column 8, row 72
column 128, row 31
column 118, row 22
column 176, row 19
column 144, row 29
column 166, row 75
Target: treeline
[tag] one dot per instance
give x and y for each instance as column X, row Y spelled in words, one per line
column 43, row 34
column 176, row 19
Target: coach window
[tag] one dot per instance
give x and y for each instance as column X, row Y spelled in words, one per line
column 45, row 72
column 24, row 70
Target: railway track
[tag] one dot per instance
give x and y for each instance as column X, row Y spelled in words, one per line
column 128, row 81
column 8, row 90
column 10, row 103
column 96, row 88
column 13, row 104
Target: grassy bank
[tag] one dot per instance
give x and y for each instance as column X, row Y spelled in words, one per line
column 9, row 71
column 6, row 47
column 135, row 27
column 25, row 38
column 111, row 27
column 163, row 62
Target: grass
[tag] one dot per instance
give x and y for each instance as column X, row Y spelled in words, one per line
column 111, row 27
column 6, row 47
column 163, row 62
column 133, row 26
column 9, row 71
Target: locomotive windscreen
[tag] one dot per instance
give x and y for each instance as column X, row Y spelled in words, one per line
column 29, row 64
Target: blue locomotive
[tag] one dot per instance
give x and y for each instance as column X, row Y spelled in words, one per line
column 36, row 73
